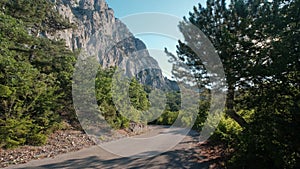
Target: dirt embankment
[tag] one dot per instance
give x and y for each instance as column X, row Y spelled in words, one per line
column 60, row 142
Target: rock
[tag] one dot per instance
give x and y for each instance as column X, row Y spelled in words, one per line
column 107, row 37
column 137, row 128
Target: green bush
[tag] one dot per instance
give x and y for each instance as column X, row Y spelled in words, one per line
column 227, row 131
column 36, row 139
column 167, row 118
column 271, row 141
column 137, row 98
column 35, row 80
column 13, row 131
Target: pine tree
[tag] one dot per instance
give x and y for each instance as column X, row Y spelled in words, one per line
column 257, row 43
column 35, row 72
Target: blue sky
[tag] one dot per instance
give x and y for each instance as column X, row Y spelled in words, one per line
column 155, row 43
column 178, row 8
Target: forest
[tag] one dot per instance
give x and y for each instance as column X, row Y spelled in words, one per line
column 256, row 40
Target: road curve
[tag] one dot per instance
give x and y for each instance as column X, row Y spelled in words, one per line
column 131, row 153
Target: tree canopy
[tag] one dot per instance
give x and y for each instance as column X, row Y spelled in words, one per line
column 258, row 44
column 35, row 72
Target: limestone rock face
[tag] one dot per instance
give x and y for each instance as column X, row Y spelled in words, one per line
column 101, row 34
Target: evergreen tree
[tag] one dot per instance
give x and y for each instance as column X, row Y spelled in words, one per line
column 131, row 104
column 257, row 44
column 35, row 73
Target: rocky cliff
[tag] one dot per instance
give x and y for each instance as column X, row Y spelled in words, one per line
column 98, row 31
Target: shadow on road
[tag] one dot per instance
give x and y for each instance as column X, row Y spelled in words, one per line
column 187, row 154
column 172, row 159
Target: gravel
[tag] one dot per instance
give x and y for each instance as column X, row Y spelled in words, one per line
column 60, row 142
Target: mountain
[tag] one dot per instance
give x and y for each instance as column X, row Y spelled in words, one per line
column 101, row 34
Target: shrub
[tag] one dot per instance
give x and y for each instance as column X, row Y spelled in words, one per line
column 36, row 139
column 167, row 118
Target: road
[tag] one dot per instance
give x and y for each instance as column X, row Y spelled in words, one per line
column 153, row 149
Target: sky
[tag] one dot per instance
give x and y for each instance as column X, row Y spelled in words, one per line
column 178, row 8
column 155, row 43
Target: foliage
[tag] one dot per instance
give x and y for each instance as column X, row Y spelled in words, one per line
column 104, row 95
column 167, row 118
column 173, row 101
column 173, row 111
column 35, row 75
column 38, row 15
column 137, row 95
column 257, row 44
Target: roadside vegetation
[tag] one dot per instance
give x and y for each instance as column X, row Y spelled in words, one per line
column 258, row 44
column 256, row 40
column 36, row 77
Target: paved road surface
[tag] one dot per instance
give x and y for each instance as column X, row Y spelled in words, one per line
column 150, row 154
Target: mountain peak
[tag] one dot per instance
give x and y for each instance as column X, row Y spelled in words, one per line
column 99, row 31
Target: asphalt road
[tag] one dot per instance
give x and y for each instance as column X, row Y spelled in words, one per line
column 160, row 148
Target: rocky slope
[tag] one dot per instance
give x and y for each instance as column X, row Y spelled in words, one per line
column 100, row 33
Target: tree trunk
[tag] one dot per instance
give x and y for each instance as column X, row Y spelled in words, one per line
column 230, row 108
